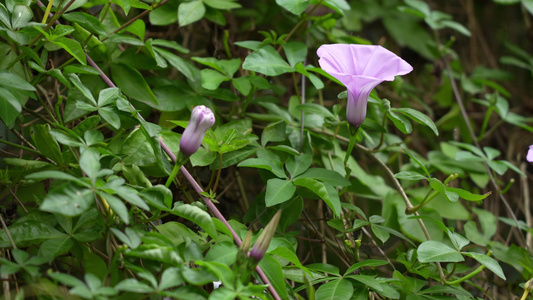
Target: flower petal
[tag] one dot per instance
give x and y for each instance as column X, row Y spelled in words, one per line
column 530, row 154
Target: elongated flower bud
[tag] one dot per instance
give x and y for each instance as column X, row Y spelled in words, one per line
column 202, row 118
column 263, row 241
column 530, row 154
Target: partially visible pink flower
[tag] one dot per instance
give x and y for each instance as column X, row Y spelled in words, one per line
column 202, row 118
column 360, row 68
column 529, row 156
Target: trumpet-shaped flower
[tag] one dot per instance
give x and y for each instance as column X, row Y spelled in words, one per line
column 202, row 118
column 360, row 68
column 529, row 156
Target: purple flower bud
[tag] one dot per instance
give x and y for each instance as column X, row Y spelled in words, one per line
column 360, row 68
column 263, row 241
column 202, row 118
column 530, row 154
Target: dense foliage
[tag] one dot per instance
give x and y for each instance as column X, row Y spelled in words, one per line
column 428, row 199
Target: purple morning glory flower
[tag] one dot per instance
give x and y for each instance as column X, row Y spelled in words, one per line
column 360, row 68
column 529, row 156
column 202, row 118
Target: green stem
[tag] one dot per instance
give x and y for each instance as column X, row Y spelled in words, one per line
column 485, row 123
column 20, row 147
column 179, row 162
column 353, row 131
column 474, row 273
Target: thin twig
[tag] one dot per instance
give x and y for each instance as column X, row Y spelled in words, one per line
column 7, row 232
column 527, row 205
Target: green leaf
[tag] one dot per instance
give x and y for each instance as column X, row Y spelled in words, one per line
column 325, row 191
column 90, row 163
column 222, row 4
column 87, row 21
column 190, row 12
column 67, row 199
column 27, row 232
column 110, row 116
column 418, row 117
column 338, row 289
column 132, row 83
column 296, row 165
column 170, row 44
column 227, row 67
column 67, row 279
column 278, row 191
column 488, row 262
column 409, row 175
column 273, row 166
column 133, row 285
column 211, row 79
column 131, row 238
column 196, row 215
column 171, row 277
column 73, row 47
column 82, row 88
column 10, row 107
column 185, row 67
column 117, row 206
column 433, row 251
column 243, row 85
column 400, row 121
column 294, row 6
column 20, row 16
column 54, row 175
column 14, row 81
column 289, row 255
column 417, row 161
column 198, row 276
column 272, row 269
column 266, row 60
column 366, row 263
column 222, row 271
column 80, row 69
column 225, row 252
column 338, row 5
column 314, row 108
column 438, row 186
column 125, row 39
column 274, row 132
column 467, row 195
column 369, row 281
column 108, row 96
column 295, row 51
column 326, row 176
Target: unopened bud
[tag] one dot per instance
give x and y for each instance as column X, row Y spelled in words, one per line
column 202, row 118
column 261, row 245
